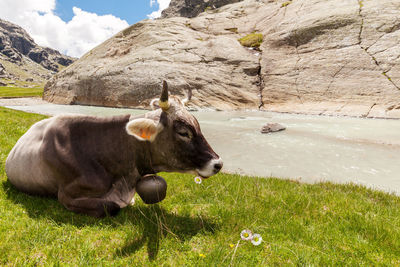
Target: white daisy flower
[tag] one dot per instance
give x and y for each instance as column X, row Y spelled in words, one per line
column 246, row 235
column 198, row 180
column 256, row 240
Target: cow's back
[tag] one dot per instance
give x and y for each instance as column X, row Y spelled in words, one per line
column 57, row 150
column 24, row 165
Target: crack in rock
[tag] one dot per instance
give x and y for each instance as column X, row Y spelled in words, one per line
column 365, row 49
column 360, row 5
column 261, row 81
column 340, row 108
column 375, row 42
column 298, row 57
column 265, row 19
column 396, row 59
column 298, row 73
column 369, row 111
column 334, row 76
column 260, row 84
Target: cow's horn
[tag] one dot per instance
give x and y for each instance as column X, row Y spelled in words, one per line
column 163, row 103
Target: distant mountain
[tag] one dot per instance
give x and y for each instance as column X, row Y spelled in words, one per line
column 22, row 59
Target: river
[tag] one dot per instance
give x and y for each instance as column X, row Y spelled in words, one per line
column 311, row 149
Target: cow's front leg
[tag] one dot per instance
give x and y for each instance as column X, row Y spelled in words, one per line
column 96, row 207
column 86, row 195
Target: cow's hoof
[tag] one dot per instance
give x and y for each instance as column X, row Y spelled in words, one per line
column 152, row 189
column 132, row 203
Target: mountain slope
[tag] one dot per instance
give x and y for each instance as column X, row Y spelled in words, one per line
column 22, row 59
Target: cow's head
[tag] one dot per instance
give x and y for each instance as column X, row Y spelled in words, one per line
column 176, row 141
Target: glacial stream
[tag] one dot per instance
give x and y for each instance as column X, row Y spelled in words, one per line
column 311, row 149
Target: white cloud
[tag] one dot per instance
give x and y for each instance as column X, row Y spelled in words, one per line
column 162, row 4
column 74, row 38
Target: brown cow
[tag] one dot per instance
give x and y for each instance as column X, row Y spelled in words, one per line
column 92, row 164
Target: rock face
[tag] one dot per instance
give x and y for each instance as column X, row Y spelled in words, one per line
column 192, row 8
column 333, row 57
column 17, row 47
column 2, row 70
column 128, row 69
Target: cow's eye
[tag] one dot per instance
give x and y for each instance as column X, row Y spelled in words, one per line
column 185, row 134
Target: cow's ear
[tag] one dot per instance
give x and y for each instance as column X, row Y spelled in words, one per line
column 154, row 104
column 142, row 129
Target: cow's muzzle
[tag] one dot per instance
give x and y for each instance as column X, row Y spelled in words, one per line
column 212, row 167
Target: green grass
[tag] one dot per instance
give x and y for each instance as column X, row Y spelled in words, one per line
column 252, row 40
column 6, row 91
column 301, row 224
column 286, row 3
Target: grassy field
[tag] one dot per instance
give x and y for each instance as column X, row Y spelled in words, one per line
column 200, row 225
column 6, row 91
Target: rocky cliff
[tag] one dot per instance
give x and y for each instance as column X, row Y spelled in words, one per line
column 19, row 53
column 192, row 8
column 316, row 56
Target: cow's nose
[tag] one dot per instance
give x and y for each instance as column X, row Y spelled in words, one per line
column 218, row 166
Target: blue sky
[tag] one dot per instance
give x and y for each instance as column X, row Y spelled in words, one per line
column 130, row 10
column 74, row 27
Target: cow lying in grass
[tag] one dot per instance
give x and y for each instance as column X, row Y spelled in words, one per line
column 92, row 164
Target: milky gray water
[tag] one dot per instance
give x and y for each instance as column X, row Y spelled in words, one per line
column 312, row 148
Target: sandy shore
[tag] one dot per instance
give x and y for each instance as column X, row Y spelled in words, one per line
column 22, row 101
column 352, row 111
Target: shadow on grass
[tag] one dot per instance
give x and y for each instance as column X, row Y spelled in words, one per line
column 156, row 224
column 152, row 221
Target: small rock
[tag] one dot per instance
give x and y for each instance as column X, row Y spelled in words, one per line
column 3, row 84
column 29, row 80
column 272, row 127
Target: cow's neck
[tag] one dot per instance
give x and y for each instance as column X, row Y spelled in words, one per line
column 144, row 160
